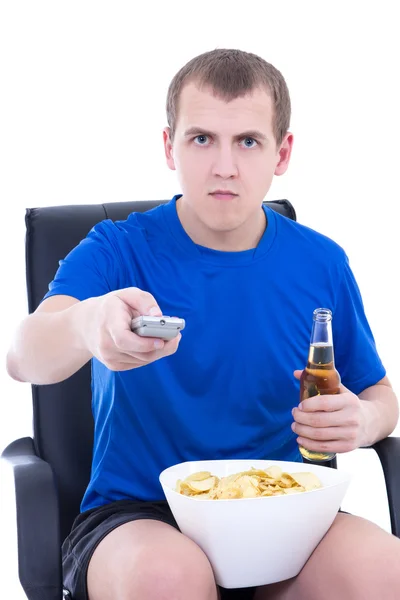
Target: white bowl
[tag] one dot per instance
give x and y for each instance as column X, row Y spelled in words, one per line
column 256, row 541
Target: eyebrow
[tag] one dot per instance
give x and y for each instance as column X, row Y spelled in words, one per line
column 252, row 133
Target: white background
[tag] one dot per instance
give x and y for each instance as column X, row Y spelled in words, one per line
column 81, row 114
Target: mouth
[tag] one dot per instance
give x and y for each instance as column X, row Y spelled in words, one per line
column 223, row 194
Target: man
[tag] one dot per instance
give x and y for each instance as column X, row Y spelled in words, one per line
column 246, row 280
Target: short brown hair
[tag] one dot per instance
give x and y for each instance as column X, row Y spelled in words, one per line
column 230, row 74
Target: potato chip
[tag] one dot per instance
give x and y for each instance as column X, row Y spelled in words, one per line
column 252, row 483
column 308, row 480
column 294, row 490
column 199, row 476
column 205, row 485
column 274, row 471
column 226, row 494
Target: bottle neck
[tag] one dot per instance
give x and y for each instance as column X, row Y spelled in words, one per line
column 321, row 333
column 321, row 342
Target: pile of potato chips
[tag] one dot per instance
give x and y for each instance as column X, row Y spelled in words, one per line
column 247, row 484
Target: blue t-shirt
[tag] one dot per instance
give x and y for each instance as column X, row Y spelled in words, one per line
column 229, row 390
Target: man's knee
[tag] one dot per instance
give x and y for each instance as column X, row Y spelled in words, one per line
column 149, row 560
column 173, row 573
column 356, row 560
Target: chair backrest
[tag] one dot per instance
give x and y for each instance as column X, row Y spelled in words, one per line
column 62, row 416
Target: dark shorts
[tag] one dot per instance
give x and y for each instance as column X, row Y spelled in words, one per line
column 92, row 526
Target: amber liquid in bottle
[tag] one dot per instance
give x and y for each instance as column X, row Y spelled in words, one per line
column 320, row 376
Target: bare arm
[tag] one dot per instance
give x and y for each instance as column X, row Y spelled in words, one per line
column 63, row 334
column 47, row 346
column 380, row 410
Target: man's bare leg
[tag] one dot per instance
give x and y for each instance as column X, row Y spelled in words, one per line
column 149, row 560
column 356, row 560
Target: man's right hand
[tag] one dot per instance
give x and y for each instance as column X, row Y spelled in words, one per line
column 108, row 335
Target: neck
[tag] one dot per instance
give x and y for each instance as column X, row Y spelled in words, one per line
column 244, row 237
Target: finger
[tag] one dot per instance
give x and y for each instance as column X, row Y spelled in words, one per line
column 122, row 366
column 172, row 345
column 319, row 418
column 333, row 446
column 322, row 433
column 327, row 403
column 142, row 302
column 297, row 373
column 131, row 362
column 145, row 358
column 130, row 343
column 154, row 353
column 169, row 348
column 343, row 389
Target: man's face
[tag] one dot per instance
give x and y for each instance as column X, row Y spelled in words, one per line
column 228, row 147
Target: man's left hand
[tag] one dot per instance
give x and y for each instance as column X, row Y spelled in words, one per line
column 333, row 423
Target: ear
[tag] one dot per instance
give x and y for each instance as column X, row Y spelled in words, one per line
column 168, row 148
column 284, row 154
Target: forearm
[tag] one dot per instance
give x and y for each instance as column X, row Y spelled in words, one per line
column 49, row 347
column 380, row 412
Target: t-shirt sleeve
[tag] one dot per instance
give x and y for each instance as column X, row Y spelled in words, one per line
column 356, row 356
column 93, row 268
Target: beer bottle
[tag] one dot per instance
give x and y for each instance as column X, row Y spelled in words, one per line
column 319, row 376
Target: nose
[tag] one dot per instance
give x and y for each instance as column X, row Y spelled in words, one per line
column 224, row 165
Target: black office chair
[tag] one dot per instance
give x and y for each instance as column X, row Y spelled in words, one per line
column 51, row 471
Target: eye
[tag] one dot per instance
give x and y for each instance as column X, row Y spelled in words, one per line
column 248, row 142
column 202, row 139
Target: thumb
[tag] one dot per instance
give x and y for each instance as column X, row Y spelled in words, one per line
column 297, row 373
column 140, row 302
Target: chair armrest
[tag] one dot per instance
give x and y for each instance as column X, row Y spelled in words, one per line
column 388, row 451
column 39, row 547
